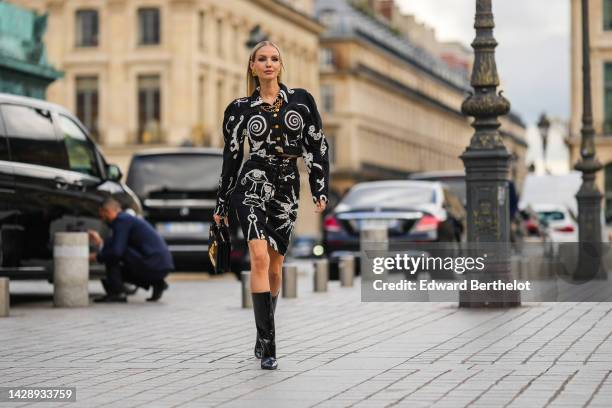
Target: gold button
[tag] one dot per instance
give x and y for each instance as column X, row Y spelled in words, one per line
column 275, row 115
column 276, row 126
column 278, row 138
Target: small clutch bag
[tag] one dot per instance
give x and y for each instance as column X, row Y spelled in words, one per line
column 219, row 247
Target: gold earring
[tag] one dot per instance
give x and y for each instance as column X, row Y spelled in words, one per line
column 253, row 72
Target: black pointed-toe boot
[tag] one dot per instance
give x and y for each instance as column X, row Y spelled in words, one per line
column 257, row 344
column 264, row 321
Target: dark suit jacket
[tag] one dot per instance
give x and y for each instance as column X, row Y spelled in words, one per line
column 137, row 244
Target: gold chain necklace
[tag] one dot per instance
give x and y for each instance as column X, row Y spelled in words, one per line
column 275, row 107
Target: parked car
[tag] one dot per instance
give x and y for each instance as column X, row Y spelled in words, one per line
column 453, row 179
column 419, row 211
column 305, row 246
column 559, row 224
column 531, row 221
column 52, row 178
column 178, row 189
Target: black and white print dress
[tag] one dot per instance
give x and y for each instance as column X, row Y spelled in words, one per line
column 265, row 192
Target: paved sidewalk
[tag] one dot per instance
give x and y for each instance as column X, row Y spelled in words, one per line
column 194, row 349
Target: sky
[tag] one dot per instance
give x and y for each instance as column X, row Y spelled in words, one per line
column 533, row 56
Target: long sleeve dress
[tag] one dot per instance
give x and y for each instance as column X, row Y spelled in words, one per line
column 265, row 190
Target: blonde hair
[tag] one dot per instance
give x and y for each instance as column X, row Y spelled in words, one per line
column 253, row 81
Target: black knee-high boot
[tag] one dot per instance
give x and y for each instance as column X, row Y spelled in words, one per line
column 257, row 350
column 264, row 321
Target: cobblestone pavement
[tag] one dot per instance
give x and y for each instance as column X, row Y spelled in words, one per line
column 194, row 349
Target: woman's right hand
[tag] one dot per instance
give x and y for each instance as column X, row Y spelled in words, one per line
column 218, row 219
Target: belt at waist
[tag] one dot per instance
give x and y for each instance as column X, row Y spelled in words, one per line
column 274, row 161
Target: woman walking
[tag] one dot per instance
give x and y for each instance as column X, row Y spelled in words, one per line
column 281, row 124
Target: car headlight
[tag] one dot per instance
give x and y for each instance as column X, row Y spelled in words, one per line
column 318, row 250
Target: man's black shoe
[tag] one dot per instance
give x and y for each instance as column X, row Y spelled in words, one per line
column 158, row 290
column 114, row 298
column 129, row 289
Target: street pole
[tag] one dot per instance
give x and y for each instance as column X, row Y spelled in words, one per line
column 588, row 196
column 486, row 162
column 544, row 128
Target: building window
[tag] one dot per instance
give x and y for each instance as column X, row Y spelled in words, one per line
column 87, row 28
column 608, row 192
column 326, row 58
column 201, row 25
column 235, row 40
column 327, row 17
column 87, row 103
column 220, row 99
column 331, row 142
column 149, row 109
column 327, row 95
column 607, row 14
column 608, row 98
column 148, row 26
column 220, row 49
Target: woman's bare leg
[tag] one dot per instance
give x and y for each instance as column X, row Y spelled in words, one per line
column 260, row 264
column 275, row 270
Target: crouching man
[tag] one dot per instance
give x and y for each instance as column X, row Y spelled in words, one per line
column 134, row 253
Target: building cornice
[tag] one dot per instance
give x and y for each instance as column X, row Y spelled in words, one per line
column 290, row 14
column 410, row 92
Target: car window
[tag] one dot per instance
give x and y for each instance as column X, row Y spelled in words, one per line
column 174, row 172
column 388, row 197
column 80, row 150
column 32, row 137
column 551, row 215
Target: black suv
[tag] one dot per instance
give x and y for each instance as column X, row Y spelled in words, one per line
column 52, row 178
column 178, row 190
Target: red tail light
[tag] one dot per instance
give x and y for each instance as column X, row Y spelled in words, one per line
column 330, row 223
column 567, row 228
column 427, row 223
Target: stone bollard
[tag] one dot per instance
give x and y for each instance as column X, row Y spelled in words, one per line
column 289, row 284
column 372, row 239
column 321, row 275
column 516, row 267
column 71, row 269
column 5, row 299
column 245, row 279
column 347, row 270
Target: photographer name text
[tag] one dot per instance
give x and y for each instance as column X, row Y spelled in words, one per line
column 472, row 284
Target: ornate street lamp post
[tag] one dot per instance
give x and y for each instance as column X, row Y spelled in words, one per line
column 544, row 127
column 588, row 196
column 486, row 163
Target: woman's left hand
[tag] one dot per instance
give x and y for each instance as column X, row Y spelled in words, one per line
column 320, row 206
